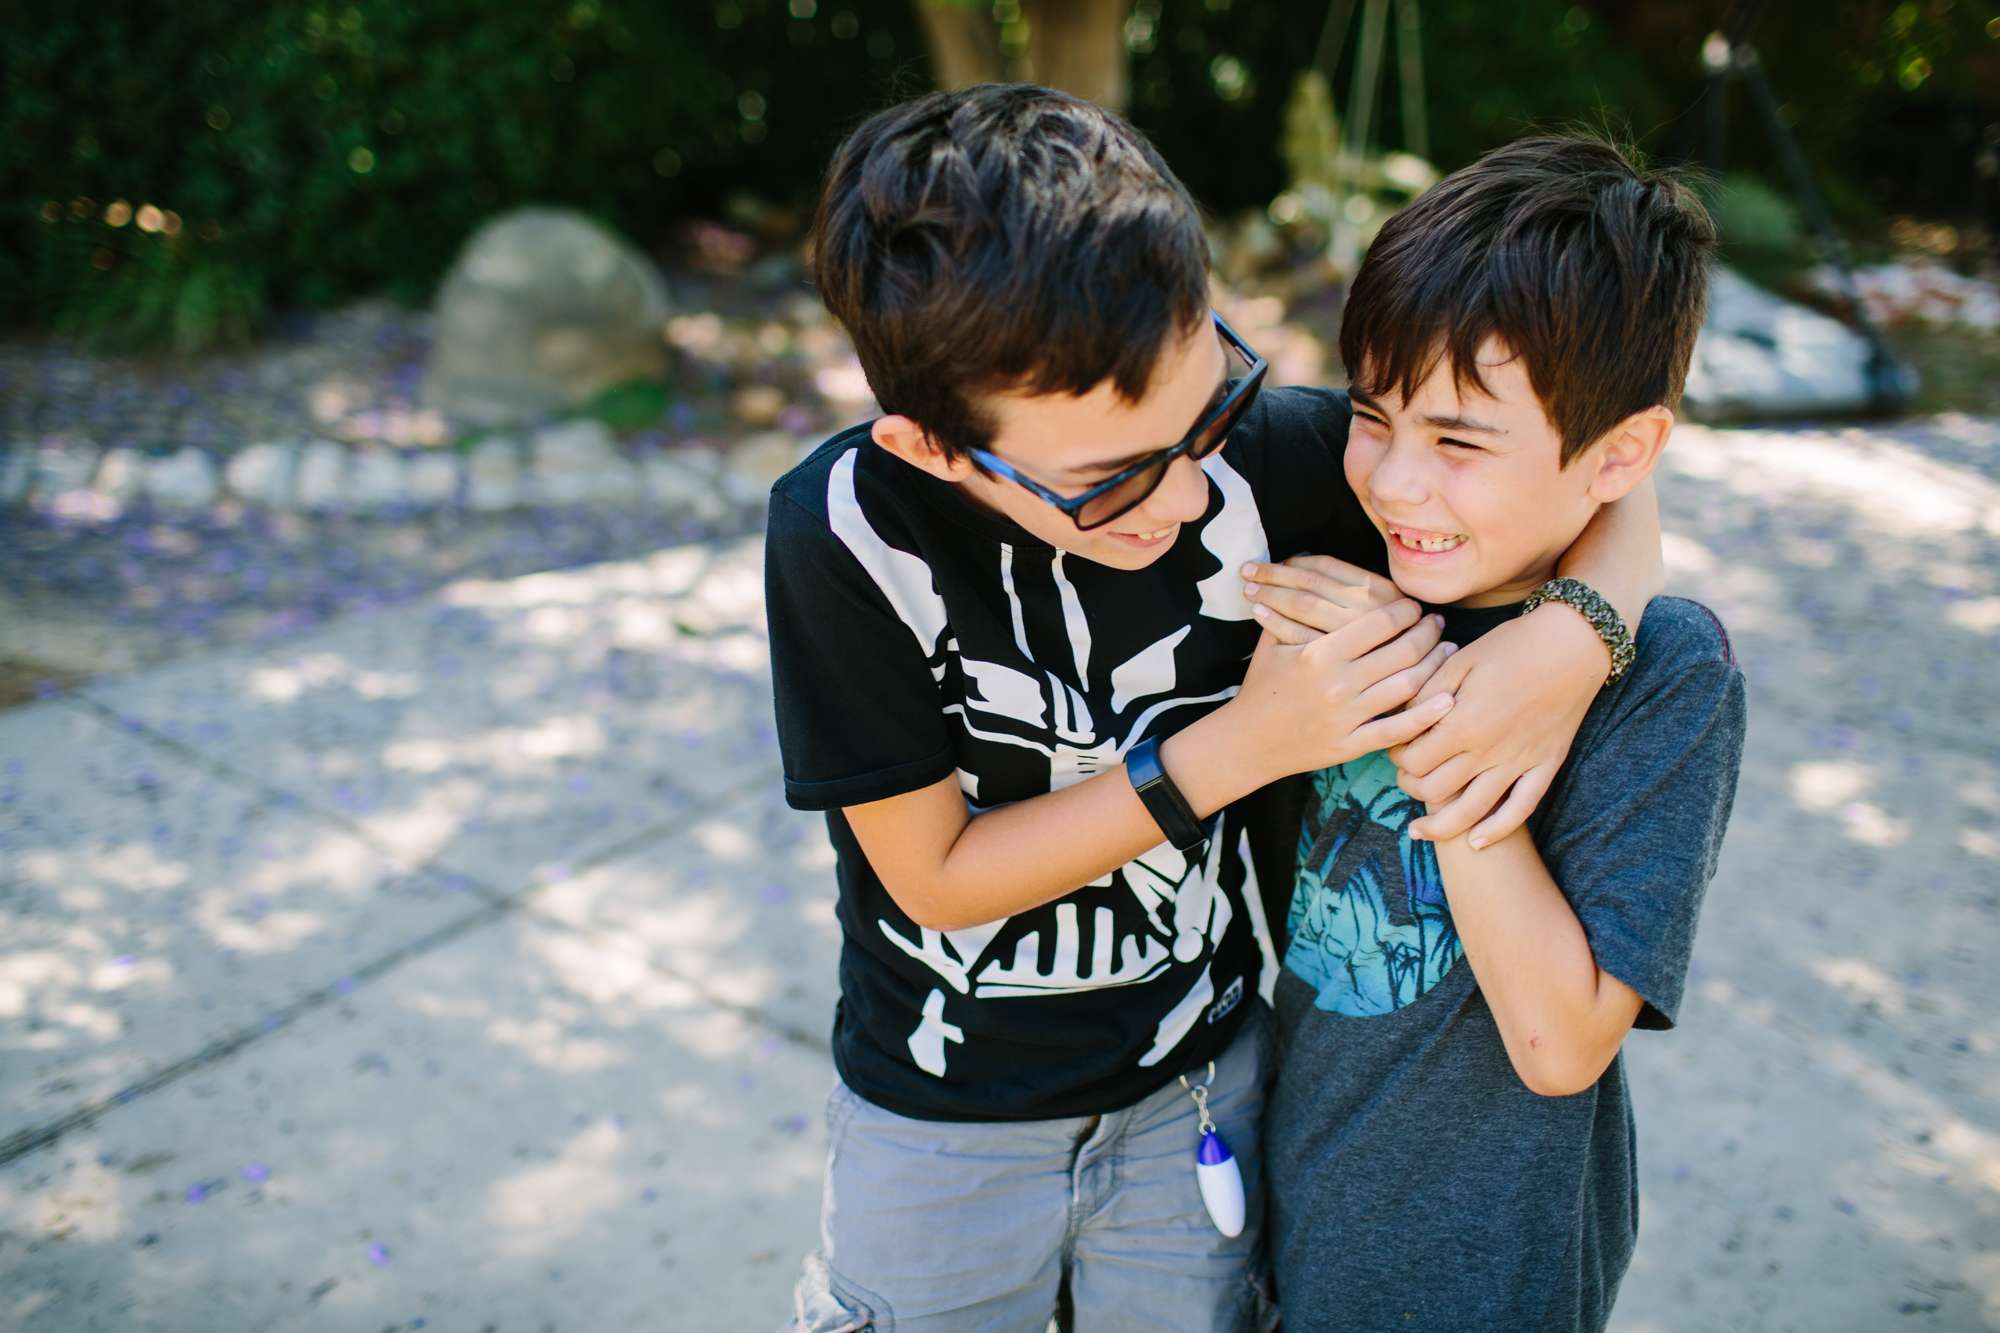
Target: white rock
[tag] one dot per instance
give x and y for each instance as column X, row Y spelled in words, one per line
column 262, row 474
column 376, row 478
column 543, row 309
column 578, row 461
column 1760, row 356
column 17, row 469
column 756, row 463
column 493, row 474
column 321, row 483
column 433, row 478
column 61, row 466
column 183, row 480
column 120, row 477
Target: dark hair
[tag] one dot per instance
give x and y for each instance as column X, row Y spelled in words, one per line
column 1589, row 265
column 1004, row 237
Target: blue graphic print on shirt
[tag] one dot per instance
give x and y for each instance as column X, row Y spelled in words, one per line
column 1369, row 927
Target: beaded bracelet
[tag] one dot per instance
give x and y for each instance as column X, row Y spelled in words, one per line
column 1603, row 617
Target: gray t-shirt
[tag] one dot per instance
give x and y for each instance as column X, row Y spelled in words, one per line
column 1417, row 1183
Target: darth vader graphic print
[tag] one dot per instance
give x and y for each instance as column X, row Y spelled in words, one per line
column 915, row 637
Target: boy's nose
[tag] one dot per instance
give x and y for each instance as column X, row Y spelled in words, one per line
column 1397, row 476
column 1182, row 496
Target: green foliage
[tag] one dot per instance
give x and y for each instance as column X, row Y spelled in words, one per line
column 315, row 152
column 1887, row 96
column 630, row 406
column 1761, row 230
column 337, row 149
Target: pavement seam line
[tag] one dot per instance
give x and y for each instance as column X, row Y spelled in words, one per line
column 25, row 1141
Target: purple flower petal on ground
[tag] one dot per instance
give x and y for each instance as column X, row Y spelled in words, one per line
column 791, row 1124
column 618, row 1123
column 768, row 1048
column 378, row 1256
column 254, row 1171
column 123, row 960
column 344, row 986
column 774, row 894
column 196, row 1193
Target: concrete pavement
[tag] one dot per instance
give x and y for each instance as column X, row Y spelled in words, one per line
column 459, row 967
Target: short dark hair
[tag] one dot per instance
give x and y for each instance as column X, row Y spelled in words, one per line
column 1004, row 237
column 1590, row 265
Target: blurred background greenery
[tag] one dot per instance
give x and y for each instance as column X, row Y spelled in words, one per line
column 171, row 174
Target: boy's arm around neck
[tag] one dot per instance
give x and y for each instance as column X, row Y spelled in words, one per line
column 1524, row 687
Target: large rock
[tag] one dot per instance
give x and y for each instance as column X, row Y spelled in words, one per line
column 543, row 309
column 1761, row 356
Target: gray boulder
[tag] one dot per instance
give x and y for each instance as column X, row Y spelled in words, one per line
column 543, row 309
column 1759, row 355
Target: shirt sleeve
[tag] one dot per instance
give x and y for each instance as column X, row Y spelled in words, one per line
column 858, row 711
column 1635, row 839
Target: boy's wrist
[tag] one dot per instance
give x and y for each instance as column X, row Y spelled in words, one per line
column 1210, row 764
column 1568, row 624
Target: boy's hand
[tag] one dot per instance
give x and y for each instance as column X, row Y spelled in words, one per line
column 1522, row 691
column 1311, row 595
column 1303, row 707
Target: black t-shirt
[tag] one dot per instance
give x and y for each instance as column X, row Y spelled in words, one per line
column 914, row 636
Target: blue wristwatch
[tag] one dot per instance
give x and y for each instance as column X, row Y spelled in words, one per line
column 1163, row 799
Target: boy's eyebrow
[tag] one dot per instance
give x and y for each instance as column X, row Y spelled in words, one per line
column 1442, row 423
column 1118, row 464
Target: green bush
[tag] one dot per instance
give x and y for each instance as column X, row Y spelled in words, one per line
column 318, row 152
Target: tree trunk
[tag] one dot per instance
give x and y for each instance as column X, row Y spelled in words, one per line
column 964, row 42
column 1075, row 45
column 1079, row 47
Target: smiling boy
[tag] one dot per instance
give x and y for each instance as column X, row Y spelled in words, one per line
column 1012, row 659
column 1450, row 1142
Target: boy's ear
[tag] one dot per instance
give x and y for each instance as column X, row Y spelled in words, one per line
column 919, row 448
column 1630, row 452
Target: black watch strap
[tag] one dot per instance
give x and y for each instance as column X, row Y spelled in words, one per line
column 1163, row 799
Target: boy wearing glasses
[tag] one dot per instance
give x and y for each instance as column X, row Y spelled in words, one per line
column 1013, row 662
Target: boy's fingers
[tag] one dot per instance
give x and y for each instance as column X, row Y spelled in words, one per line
column 1372, row 629
column 1283, row 628
column 1434, row 748
column 1401, row 653
column 1479, row 798
column 1514, row 811
column 1308, row 608
column 1397, row 728
column 1400, row 687
column 1441, row 783
column 1294, row 573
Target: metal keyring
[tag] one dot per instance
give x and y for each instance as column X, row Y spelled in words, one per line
column 1199, row 1091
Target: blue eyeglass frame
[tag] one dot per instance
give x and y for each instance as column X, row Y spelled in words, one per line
column 1232, row 407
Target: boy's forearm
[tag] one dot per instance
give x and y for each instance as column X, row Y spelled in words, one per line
column 1618, row 553
column 1561, row 1016
column 949, row 870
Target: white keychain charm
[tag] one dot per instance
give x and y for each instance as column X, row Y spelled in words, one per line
column 1215, row 1168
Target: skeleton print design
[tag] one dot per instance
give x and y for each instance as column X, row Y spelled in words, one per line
column 1074, row 714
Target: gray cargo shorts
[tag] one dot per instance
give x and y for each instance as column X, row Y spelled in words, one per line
column 938, row 1227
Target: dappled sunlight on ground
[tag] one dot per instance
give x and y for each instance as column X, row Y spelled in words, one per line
column 460, row 963
column 1818, row 1141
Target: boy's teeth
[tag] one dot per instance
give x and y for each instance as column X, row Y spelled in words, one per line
column 1429, row 543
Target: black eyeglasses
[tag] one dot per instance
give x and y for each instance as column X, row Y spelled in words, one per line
column 1121, row 494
